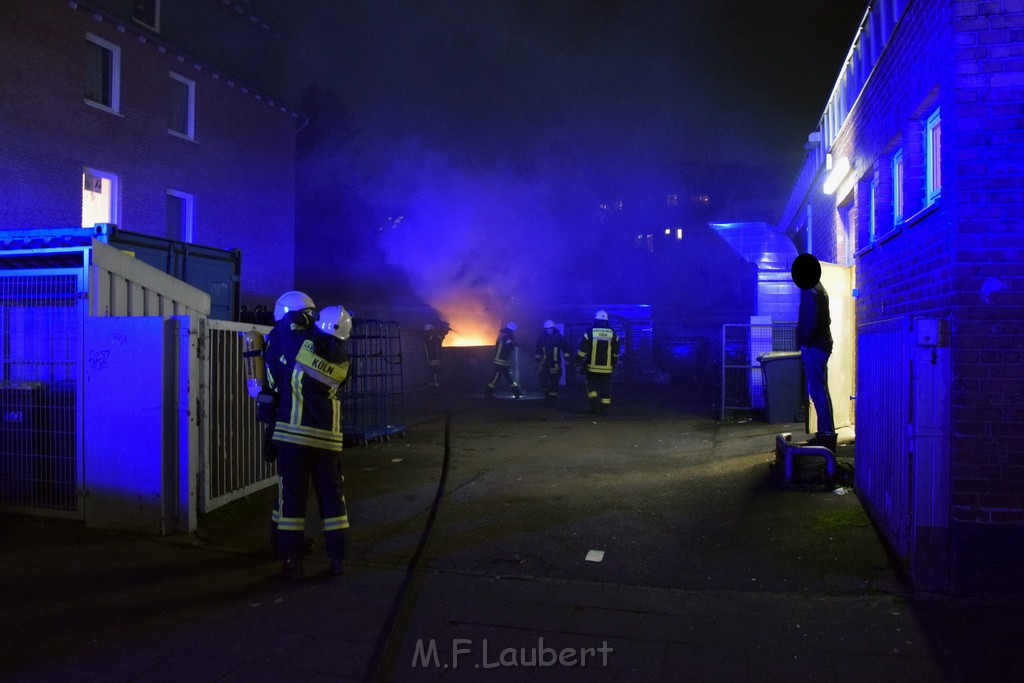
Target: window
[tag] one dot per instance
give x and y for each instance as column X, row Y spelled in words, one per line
column 99, row 197
column 182, row 115
column 872, row 209
column 179, row 216
column 102, row 73
column 933, row 157
column 897, row 187
column 147, row 13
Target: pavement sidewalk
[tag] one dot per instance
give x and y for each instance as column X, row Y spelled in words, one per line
column 708, row 573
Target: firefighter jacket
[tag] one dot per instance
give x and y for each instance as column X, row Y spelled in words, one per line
column 551, row 350
column 432, row 346
column 599, row 349
column 309, row 368
column 504, row 346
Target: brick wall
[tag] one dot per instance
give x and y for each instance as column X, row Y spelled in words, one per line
column 988, row 267
column 240, row 168
column 960, row 258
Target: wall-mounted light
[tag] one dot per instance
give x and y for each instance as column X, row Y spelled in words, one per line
column 836, row 176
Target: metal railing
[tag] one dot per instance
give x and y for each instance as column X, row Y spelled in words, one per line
column 742, row 343
column 230, row 437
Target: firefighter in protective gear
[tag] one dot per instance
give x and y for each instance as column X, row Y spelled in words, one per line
column 294, row 312
column 551, row 354
column 599, row 354
column 504, row 348
column 308, row 435
column 433, row 338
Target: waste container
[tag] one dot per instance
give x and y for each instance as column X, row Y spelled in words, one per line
column 783, row 374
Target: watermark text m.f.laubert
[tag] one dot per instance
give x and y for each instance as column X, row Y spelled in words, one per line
column 427, row 655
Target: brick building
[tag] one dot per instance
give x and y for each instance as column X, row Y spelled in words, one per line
column 108, row 114
column 914, row 183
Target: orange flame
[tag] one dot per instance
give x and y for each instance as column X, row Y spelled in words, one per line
column 471, row 325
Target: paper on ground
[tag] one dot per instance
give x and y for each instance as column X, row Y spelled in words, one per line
column 595, row 555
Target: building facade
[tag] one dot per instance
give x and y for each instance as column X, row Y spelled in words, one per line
column 106, row 119
column 914, row 181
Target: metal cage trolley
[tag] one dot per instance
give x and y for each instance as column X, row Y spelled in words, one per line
column 372, row 400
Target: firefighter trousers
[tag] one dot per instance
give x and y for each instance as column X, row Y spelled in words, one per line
column 297, row 465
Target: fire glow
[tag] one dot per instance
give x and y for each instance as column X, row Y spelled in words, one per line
column 471, row 324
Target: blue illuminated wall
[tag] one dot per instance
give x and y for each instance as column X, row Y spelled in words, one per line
column 239, row 167
column 955, row 252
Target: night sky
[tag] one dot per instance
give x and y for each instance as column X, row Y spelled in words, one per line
column 491, row 122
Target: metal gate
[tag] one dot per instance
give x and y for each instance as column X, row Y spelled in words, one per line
column 41, row 316
column 231, row 443
column 882, row 475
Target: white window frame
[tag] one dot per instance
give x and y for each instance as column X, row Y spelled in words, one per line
column 156, row 17
column 898, row 172
column 115, row 192
column 933, row 157
column 115, row 74
column 188, row 206
column 190, row 123
column 873, row 209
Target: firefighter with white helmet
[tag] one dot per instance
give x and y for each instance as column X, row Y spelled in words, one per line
column 599, row 354
column 504, row 348
column 311, row 365
column 293, row 311
column 551, row 354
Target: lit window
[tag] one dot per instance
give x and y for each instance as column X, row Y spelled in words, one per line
column 102, row 73
column 182, row 115
column 147, row 13
column 897, row 187
column 179, row 216
column 933, row 157
column 99, row 197
column 872, row 206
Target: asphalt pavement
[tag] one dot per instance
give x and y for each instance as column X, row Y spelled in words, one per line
column 653, row 544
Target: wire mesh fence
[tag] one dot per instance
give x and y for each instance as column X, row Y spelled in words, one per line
column 40, row 351
column 373, row 405
column 742, row 380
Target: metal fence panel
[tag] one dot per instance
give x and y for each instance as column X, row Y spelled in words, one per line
column 882, row 475
column 40, row 391
column 231, row 439
column 742, row 343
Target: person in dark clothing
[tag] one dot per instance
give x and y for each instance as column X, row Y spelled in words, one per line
column 504, row 347
column 433, row 338
column 814, row 336
column 599, row 354
column 551, row 354
column 293, row 311
column 310, row 367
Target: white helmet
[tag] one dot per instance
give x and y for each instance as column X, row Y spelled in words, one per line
column 291, row 301
column 335, row 320
column 511, row 326
column 601, row 315
column 549, row 323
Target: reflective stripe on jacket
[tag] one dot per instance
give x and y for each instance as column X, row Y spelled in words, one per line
column 599, row 349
